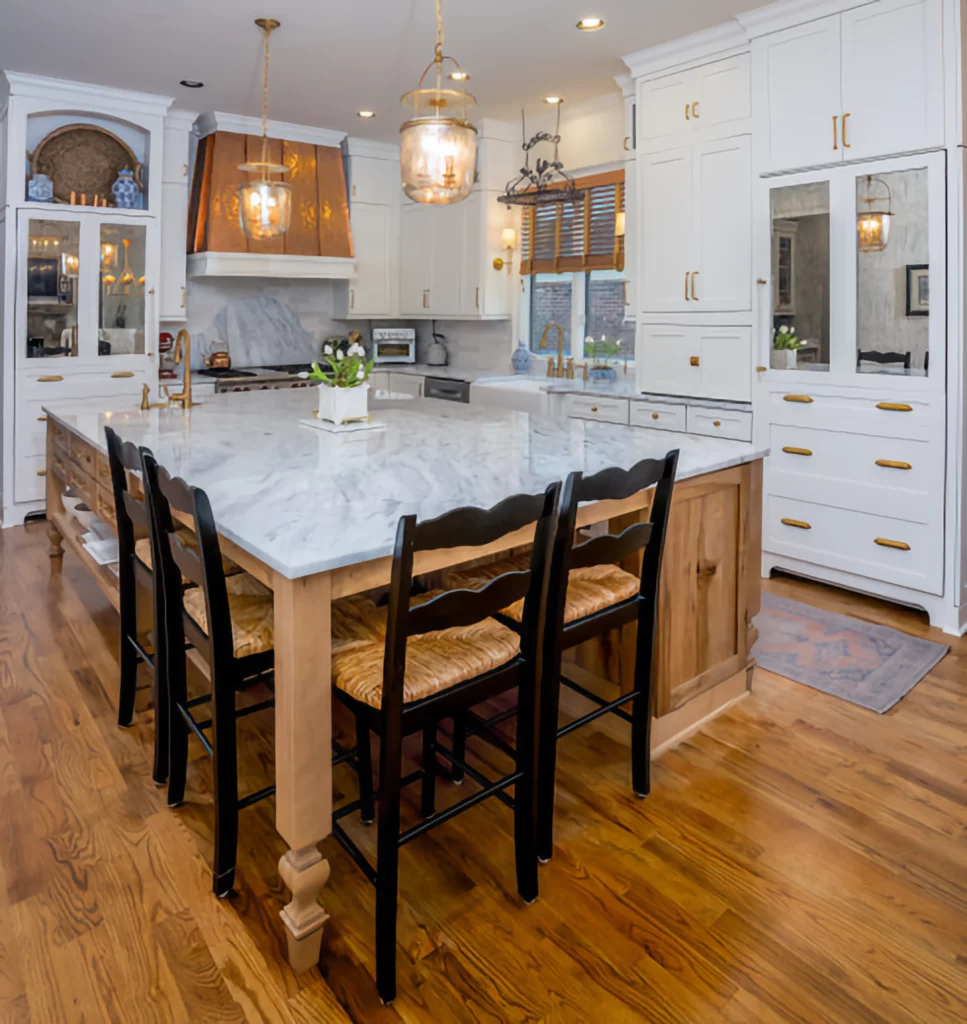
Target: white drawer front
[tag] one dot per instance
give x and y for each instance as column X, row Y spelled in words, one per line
column 27, row 484
column 608, row 410
column 858, row 471
column 731, row 423
column 659, row 416
column 54, row 384
column 405, row 384
column 884, row 415
column 904, row 553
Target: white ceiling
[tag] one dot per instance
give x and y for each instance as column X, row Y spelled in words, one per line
column 331, row 59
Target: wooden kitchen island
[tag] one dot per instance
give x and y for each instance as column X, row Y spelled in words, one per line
column 313, row 516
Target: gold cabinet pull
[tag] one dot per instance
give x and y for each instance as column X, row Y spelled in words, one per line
column 695, row 274
column 477, row 299
column 41, row 472
column 695, row 112
column 688, row 112
column 594, row 408
column 797, row 523
column 352, row 298
column 122, row 373
column 802, row 399
column 41, row 419
column 835, row 131
column 889, row 464
column 52, row 379
column 761, row 369
column 654, row 416
column 761, row 280
column 694, row 361
column 846, row 145
column 894, row 406
column 798, row 451
column 184, row 297
column 896, row 545
column 687, row 276
column 426, row 298
column 716, row 423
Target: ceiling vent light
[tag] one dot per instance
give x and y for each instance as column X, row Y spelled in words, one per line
column 554, row 99
column 190, row 83
column 590, row 24
column 366, row 114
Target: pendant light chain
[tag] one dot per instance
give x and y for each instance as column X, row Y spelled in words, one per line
column 438, row 51
column 265, row 99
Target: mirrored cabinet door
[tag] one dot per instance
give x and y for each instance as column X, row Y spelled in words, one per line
column 898, row 236
column 50, row 264
column 799, row 320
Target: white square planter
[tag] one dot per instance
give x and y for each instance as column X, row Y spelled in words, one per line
column 783, row 359
column 343, row 405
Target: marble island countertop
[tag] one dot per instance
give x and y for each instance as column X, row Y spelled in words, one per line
column 305, row 501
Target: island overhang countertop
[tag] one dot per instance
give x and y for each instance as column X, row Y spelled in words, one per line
column 305, row 501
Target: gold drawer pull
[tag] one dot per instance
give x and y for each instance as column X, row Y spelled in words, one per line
column 654, row 415
column 797, row 451
column 41, row 472
column 897, row 545
column 802, row 399
column 761, row 369
column 798, row 523
column 895, row 406
column 123, row 373
column 694, row 361
column 594, row 408
column 41, row 419
column 716, row 423
column 889, row 464
column 49, row 380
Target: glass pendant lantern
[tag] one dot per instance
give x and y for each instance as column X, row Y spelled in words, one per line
column 438, row 144
column 874, row 215
column 264, row 205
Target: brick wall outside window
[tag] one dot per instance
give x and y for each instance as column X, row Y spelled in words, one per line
column 550, row 303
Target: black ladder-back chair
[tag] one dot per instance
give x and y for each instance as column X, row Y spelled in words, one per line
column 648, row 538
column 885, row 359
column 395, row 718
column 133, row 525
column 227, row 673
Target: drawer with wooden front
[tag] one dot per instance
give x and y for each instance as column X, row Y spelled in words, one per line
column 881, row 548
column 659, row 416
column 82, row 485
column 883, row 475
column 880, row 413
column 83, row 455
column 608, row 410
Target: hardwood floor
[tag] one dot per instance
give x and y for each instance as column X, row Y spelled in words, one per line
column 800, row 859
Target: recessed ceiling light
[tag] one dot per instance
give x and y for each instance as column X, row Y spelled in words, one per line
column 190, row 83
column 590, row 24
column 553, row 99
column 366, row 113
column 460, row 76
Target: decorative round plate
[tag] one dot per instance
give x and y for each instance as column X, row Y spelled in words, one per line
column 84, row 159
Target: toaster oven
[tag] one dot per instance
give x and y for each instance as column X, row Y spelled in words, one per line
column 394, row 344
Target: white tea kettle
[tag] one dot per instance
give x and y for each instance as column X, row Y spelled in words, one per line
column 436, row 354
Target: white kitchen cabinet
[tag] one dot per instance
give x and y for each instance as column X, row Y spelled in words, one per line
column 373, row 180
column 893, row 96
column 865, row 83
column 172, row 285
column 664, row 105
column 416, row 261
column 695, row 361
column 406, row 384
column 371, row 293
column 666, row 250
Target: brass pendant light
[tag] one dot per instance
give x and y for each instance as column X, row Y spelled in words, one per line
column 438, row 145
column 874, row 219
column 264, row 206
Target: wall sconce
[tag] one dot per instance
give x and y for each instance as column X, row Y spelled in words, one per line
column 508, row 239
column 874, row 218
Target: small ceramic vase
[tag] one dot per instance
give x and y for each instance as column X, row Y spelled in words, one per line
column 40, row 189
column 125, row 191
column 521, row 359
column 343, row 405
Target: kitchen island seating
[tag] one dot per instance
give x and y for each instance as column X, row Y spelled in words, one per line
column 438, row 654
column 600, row 596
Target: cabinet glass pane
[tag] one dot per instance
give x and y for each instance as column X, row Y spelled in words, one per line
column 892, row 276
column 53, row 263
column 120, row 316
column 800, row 277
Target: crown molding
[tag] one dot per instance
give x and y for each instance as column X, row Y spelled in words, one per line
column 698, row 46
column 83, row 94
column 789, row 13
column 217, row 120
column 626, row 84
column 182, row 120
column 368, row 148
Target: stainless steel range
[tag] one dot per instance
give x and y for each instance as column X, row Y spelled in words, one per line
column 259, row 378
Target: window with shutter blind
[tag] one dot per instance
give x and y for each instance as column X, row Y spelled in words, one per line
column 561, row 238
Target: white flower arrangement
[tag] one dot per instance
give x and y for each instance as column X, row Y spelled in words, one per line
column 347, row 369
column 784, row 339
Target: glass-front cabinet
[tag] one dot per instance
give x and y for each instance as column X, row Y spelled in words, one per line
column 85, row 289
column 850, row 296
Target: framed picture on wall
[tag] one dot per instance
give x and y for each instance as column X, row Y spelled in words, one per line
column 918, row 289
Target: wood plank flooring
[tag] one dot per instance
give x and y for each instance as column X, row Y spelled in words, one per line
column 799, row 860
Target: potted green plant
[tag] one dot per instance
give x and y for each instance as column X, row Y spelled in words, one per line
column 785, row 345
column 343, row 387
column 600, row 352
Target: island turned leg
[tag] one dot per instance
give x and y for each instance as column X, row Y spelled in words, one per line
column 303, row 755
column 54, row 504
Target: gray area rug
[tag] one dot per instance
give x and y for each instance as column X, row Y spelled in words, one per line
column 873, row 666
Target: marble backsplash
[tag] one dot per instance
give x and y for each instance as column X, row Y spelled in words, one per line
column 267, row 322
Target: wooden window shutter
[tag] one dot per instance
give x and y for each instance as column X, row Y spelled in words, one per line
column 562, row 238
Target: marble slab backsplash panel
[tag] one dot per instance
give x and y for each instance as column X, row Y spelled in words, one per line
column 473, row 345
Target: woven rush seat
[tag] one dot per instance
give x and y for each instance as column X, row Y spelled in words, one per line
column 434, row 661
column 589, row 590
column 355, row 620
column 142, row 551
